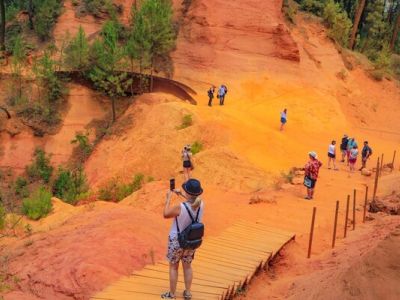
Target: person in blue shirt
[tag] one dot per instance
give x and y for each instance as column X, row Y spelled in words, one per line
column 283, row 118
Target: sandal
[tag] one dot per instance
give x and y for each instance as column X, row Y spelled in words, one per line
column 187, row 295
column 167, row 295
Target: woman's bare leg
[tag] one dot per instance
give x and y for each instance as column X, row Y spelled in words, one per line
column 188, row 275
column 173, row 277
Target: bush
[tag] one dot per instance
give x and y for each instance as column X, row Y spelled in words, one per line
column 40, row 168
column 313, row 6
column 2, row 217
column 46, row 14
column 83, row 143
column 338, row 22
column 21, row 187
column 70, row 185
column 196, row 147
column 186, row 121
column 95, row 7
column 115, row 191
column 395, row 64
column 38, row 205
column 384, row 57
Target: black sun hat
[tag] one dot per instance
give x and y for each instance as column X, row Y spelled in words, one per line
column 192, row 187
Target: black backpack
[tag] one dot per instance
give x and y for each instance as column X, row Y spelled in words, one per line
column 192, row 236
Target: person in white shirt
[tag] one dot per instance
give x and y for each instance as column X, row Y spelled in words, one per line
column 332, row 155
column 180, row 213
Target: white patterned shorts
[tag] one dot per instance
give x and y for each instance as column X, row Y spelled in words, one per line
column 176, row 253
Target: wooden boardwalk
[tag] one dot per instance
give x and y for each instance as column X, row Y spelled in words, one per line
column 222, row 267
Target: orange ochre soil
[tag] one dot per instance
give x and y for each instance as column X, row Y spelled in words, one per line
column 267, row 66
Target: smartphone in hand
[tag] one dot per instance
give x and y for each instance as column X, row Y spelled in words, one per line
column 172, row 184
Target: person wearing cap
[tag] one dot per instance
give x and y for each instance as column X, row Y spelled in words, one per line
column 343, row 146
column 191, row 192
column 311, row 174
column 187, row 161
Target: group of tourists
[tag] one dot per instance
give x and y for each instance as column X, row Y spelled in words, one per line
column 187, row 230
column 222, row 91
column 349, row 152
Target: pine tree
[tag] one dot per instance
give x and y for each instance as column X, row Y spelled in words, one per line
column 107, row 57
column 159, row 33
column 77, row 52
column 17, row 62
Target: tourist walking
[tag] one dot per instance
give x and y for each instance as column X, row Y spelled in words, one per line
column 187, row 162
column 332, row 155
column 353, row 157
column 343, row 146
column 365, row 154
column 210, row 93
column 311, row 174
column 186, row 215
column 283, row 118
column 223, row 90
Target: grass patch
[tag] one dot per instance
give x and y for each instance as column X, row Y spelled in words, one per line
column 116, row 191
column 38, row 205
column 187, row 121
column 197, row 146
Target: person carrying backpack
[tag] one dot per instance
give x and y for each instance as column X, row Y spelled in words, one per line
column 365, row 154
column 222, row 91
column 185, row 235
column 187, row 161
column 210, row 95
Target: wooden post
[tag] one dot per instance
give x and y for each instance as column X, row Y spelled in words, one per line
column 381, row 168
column 354, row 209
column 347, row 215
column 394, row 156
column 335, row 224
column 376, row 181
column 311, row 232
column 365, row 203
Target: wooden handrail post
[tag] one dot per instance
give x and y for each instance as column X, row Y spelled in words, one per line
column 354, row 209
column 376, row 181
column 335, row 224
column 347, row 215
column 381, row 168
column 365, row 203
column 394, row 156
column 311, row 232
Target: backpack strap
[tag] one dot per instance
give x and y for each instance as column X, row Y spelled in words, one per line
column 190, row 214
column 177, row 226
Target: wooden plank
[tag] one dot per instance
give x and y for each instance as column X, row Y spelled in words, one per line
column 222, row 265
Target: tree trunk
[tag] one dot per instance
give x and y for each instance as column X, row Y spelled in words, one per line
column 395, row 32
column 113, row 109
column 357, row 18
column 30, row 14
column 6, row 111
column 151, row 76
column 2, row 26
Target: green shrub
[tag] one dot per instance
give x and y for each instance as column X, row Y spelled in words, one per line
column 196, row 147
column 115, row 191
column 83, row 143
column 47, row 12
column 313, row 6
column 70, row 185
column 40, row 168
column 338, row 22
column 95, row 7
column 395, row 64
column 186, row 121
column 21, row 187
column 2, row 217
column 384, row 58
column 150, row 179
column 38, row 205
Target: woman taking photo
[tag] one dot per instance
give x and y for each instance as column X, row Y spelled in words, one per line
column 184, row 214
